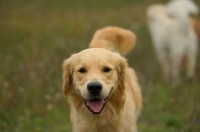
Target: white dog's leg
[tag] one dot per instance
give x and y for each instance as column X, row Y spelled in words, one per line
column 176, row 55
column 175, row 70
column 191, row 59
column 163, row 59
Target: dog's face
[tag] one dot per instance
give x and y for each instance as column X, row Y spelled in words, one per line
column 94, row 74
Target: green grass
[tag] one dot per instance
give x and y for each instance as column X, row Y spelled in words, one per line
column 36, row 36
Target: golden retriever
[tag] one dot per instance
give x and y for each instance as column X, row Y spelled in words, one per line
column 103, row 92
column 114, row 39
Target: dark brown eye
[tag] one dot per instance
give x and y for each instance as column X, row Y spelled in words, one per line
column 82, row 70
column 106, row 69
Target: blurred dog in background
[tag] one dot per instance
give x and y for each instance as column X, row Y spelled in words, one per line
column 174, row 37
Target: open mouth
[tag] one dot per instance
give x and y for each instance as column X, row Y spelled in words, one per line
column 95, row 105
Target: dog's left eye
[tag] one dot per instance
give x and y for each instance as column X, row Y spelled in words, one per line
column 82, row 70
column 106, row 69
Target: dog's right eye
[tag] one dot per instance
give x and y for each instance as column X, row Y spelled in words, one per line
column 106, row 69
column 82, row 70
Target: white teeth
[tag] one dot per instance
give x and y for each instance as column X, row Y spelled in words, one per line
column 106, row 99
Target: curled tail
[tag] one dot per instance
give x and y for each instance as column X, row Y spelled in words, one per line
column 114, row 39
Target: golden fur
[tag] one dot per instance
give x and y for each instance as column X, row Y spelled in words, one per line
column 114, row 39
column 124, row 104
column 196, row 25
column 119, row 87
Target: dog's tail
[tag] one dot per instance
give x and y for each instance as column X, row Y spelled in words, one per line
column 181, row 10
column 196, row 24
column 114, row 39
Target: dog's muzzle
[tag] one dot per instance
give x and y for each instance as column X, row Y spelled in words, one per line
column 96, row 104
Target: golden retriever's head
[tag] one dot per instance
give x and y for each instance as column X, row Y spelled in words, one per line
column 93, row 75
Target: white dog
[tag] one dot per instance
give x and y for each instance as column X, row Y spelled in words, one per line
column 174, row 37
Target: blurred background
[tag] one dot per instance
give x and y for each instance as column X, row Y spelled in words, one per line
column 37, row 35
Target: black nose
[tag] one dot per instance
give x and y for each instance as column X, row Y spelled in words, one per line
column 94, row 88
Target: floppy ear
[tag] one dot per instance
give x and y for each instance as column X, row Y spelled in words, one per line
column 67, row 77
column 121, row 72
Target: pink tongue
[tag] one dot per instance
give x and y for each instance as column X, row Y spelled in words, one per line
column 95, row 104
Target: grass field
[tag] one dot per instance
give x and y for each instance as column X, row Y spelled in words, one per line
column 36, row 36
